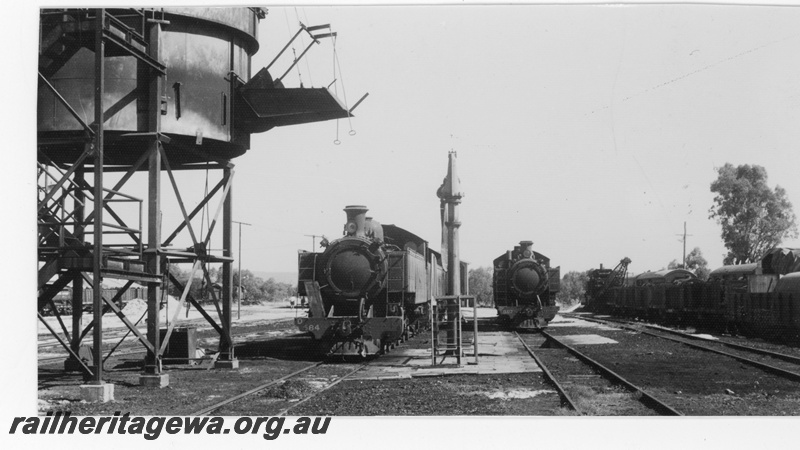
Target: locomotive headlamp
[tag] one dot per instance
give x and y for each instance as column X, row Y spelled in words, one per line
column 527, row 253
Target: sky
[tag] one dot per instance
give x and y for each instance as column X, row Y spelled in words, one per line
column 594, row 131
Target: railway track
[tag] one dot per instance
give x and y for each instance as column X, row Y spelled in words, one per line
column 200, row 325
column 605, row 397
column 220, row 407
column 215, row 407
column 783, row 365
column 132, row 342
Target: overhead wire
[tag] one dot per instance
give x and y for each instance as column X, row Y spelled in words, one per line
column 338, row 65
column 695, row 72
column 335, row 88
column 308, row 67
column 294, row 52
column 610, row 106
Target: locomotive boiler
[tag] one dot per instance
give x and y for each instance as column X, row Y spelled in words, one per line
column 370, row 288
column 525, row 287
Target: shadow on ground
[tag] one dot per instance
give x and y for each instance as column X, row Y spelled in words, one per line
column 292, row 348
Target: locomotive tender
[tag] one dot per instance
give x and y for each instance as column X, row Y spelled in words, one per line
column 370, row 288
column 525, row 287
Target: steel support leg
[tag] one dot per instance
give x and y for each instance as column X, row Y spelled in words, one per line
column 153, row 260
column 97, row 277
column 226, row 358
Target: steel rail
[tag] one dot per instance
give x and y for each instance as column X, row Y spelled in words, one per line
column 647, row 399
column 561, row 391
column 767, row 367
column 760, row 351
column 54, row 359
column 216, row 406
column 285, row 410
column 48, row 360
column 230, row 400
column 117, row 334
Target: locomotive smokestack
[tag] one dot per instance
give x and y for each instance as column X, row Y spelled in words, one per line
column 356, row 219
column 526, row 248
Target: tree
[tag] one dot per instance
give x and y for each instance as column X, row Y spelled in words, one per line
column 694, row 262
column 480, row 285
column 754, row 218
column 256, row 289
column 183, row 277
column 573, row 287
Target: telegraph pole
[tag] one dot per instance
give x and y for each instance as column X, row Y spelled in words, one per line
column 239, row 302
column 683, row 263
column 313, row 240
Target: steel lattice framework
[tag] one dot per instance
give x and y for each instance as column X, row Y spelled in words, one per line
column 88, row 231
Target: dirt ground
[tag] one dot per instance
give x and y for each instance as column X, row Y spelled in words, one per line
column 694, row 382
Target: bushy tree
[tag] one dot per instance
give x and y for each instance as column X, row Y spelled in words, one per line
column 196, row 290
column 694, row 262
column 254, row 289
column 480, row 285
column 573, row 287
column 754, row 218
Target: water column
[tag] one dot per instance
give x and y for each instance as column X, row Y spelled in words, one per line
column 450, row 195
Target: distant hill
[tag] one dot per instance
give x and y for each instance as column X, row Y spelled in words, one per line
column 281, row 277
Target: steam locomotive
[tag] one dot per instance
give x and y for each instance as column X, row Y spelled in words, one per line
column 370, row 288
column 525, row 287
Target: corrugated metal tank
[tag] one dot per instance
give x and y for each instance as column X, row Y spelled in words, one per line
column 200, row 48
column 206, row 106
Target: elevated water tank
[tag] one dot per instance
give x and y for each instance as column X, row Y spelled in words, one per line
column 207, row 105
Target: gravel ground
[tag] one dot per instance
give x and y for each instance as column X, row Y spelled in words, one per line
column 462, row 395
column 592, row 393
column 288, row 393
column 786, row 346
column 692, row 381
column 191, row 387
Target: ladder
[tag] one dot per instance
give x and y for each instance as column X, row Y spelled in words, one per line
column 446, row 328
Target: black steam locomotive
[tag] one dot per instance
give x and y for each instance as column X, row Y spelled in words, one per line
column 525, row 287
column 370, row 288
